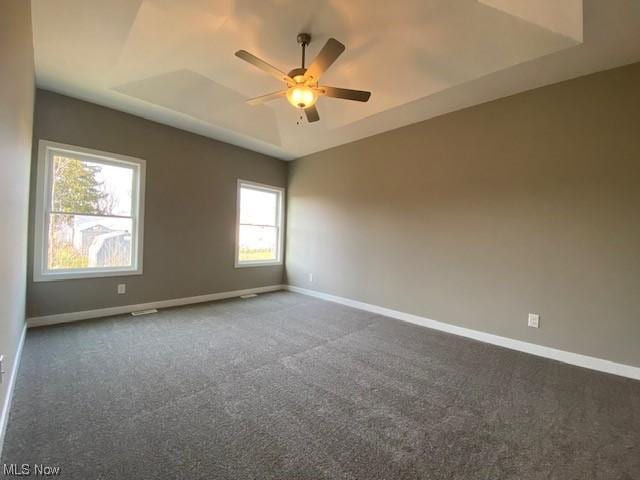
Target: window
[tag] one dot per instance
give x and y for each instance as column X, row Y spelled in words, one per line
column 259, row 226
column 89, row 213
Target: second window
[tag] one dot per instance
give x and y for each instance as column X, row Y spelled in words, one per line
column 259, row 225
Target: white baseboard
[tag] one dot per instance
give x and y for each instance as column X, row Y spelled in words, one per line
column 174, row 302
column 6, row 406
column 571, row 358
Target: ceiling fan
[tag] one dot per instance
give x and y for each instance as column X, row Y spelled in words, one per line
column 303, row 89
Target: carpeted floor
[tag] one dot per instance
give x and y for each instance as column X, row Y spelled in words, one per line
column 284, row 386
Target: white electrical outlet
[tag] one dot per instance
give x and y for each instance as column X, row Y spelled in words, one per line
column 311, row 278
column 534, row 320
column 122, row 288
column 2, row 372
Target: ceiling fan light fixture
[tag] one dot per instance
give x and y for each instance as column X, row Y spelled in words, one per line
column 302, row 96
column 302, row 88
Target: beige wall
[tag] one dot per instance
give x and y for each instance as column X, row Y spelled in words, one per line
column 16, row 119
column 190, row 209
column 526, row 204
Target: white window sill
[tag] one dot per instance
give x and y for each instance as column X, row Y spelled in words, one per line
column 257, row 264
column 56, row 276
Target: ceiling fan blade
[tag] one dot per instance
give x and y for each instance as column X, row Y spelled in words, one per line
column 329, row 53
column 312, row 114
column 345, row 93
column 265, row 98
column 264, row 66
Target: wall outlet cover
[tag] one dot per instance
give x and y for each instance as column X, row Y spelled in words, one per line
column 534, row 320
column 122, row 288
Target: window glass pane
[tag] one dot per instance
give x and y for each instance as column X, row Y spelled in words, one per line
column 82, row 186
column 258, row 207
column 257, row 243
column 78, row 241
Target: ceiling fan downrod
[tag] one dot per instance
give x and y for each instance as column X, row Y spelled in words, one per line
column 304, row 39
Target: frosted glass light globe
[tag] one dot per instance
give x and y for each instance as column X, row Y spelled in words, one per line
column 301, row 96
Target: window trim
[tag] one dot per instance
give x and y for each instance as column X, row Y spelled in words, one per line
column 280, row 214
column 43, row 195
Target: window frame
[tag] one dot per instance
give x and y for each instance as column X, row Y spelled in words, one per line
column 280, row 214
column 44, row 184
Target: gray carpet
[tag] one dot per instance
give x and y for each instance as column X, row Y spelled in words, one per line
column 285, row 386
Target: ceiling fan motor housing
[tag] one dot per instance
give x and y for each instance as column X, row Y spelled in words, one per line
column 298, row 74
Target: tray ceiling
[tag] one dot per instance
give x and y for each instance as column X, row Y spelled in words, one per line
column 173, row 62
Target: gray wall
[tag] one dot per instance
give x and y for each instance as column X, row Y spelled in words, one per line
column 526, row 204
column 16, row 118
column 190, row 211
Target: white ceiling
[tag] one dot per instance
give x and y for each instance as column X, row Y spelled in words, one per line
column 173, row 61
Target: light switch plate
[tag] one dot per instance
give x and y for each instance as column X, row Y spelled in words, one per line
column 534, row 320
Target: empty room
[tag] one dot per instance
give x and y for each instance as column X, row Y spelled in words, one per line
column 359, row 240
